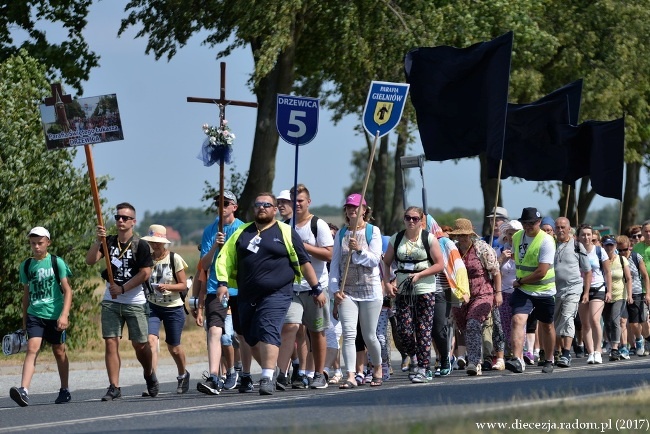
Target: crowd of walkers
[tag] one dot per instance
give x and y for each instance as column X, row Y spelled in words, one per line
column 318, row 306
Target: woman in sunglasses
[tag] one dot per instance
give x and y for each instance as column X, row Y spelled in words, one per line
column 636, row 309
column 355, row 282
column 418, row 261
column 591, row 305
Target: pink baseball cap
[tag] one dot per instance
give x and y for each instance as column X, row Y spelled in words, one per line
column 354, row 199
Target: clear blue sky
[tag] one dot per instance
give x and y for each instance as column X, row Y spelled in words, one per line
column 156, row 168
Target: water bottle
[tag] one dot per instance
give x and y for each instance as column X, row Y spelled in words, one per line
column 194, row 303
column 224, row 300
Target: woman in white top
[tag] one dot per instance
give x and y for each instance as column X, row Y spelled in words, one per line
column 591, row 305
column 360, row 297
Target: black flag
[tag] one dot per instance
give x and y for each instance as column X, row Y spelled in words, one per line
column 460, row 96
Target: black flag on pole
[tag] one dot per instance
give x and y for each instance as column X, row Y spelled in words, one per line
column 460, row 96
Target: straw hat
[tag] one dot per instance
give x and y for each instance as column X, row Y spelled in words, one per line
column 463, row 227
column 157, row 234
column 505, row 227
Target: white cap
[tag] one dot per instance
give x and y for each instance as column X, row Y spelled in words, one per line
column 501, row 213
column 284, row 194
column 39, row 231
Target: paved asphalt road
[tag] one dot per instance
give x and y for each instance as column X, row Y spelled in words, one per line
column 295, row 410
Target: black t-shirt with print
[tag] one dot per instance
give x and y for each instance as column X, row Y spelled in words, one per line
column 123, row 254
column 269, row 269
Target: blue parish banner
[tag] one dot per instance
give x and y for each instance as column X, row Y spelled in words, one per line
column 384, row 107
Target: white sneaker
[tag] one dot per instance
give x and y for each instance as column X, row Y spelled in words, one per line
column 598, row 358
column 590, row 359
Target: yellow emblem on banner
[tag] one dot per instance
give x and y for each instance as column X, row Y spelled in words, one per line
column 382, row 112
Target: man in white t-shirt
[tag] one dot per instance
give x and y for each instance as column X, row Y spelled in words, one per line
column 313, row 311
column 534, row 288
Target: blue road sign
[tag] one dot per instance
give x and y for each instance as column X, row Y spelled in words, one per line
column 384, row 106
column 297, row 119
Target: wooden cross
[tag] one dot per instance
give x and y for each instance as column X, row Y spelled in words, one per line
column 222, row 102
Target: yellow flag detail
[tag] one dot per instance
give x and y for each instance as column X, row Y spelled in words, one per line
column 382, row 112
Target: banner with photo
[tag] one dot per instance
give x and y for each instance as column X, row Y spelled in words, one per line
column 84, row 121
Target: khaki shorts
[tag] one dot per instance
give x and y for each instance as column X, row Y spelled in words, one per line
column 114, row 315
column 303, row 310
column 566, row 308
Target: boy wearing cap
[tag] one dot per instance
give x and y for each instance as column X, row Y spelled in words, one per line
column 47, row 298
column 215, row 312
column 285, row 205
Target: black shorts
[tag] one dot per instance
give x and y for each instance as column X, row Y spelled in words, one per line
column 636, row 310
column 215, row 313
column 233, row 303
column 524, row 303
column 597, row 294
column 46, row 329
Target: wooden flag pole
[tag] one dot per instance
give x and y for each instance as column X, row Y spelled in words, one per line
column 98, row 210
column 496, row 202
column 566, row 202
column 359, row 216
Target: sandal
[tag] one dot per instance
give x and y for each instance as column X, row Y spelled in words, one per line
column 376, row 382
column 360, row 379
column 347, row 385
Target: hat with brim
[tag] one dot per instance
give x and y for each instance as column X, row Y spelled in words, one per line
column 157, row 234
column 530, row 215
column 463, row 227
column 508, row 226
column 500, row 213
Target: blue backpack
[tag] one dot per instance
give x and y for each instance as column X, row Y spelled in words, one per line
column 369, row 229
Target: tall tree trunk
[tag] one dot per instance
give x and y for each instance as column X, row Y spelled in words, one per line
column 631, row 196
column 261, row 172
column 489, row 187
column 380, row 170
column 585, row 197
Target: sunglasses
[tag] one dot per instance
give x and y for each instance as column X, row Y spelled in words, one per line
column 124, row 218
column 263, row 205
column 637, row 236
column 594, row 240
column 409, row 218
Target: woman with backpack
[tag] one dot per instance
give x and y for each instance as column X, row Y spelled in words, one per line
column 166, row 284
column 419, row 258
column 357, row 289
column 621, row 294
column 600, row 292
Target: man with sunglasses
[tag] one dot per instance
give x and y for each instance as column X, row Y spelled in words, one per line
column 263, row 259
column 124, row 299
column 215, row 311
column 534, row 254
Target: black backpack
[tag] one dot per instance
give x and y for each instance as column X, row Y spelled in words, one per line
column 55, row 269
column 425, row 242
column 313, row 224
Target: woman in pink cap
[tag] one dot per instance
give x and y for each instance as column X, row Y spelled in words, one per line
column 357, row 289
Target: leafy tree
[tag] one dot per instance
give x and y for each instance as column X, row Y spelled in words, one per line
column 71, row 59
column 40, row 188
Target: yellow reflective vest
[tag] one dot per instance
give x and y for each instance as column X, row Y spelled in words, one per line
column 226, row 264
column 530, row 263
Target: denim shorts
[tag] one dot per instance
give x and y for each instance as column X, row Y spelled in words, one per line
column 114, row 315
column 173, row 319
column 46, row 329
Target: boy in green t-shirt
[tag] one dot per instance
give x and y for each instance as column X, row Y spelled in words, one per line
column 46, row 305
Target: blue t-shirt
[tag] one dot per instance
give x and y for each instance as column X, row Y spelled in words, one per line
column 209, row 236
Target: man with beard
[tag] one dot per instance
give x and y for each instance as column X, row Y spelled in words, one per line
column 263, row 259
